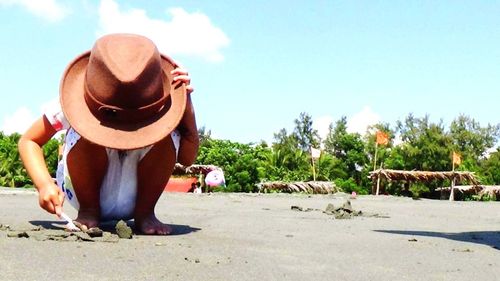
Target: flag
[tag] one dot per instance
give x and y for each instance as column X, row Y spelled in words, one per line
column 315, row 153
column 457, row 159
column 382, row 138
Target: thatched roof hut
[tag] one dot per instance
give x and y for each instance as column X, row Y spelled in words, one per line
column 313, row 187
column 389, row 175
column 491, row 191
column 467, row 189
column 194, row 169
column 423, row 176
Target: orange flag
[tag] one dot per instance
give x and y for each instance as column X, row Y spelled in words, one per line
column 457, row 159
column 382, row 138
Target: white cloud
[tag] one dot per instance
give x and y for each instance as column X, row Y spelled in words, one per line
column 23, row 118
column 359, row 122
column 50, row 105
column 322, row 124
column 49, row 10
column 493, row 149
column 18, row 122
column 397, row 140
column 185, row 34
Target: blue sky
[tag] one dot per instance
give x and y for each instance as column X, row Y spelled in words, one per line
column 256, row 65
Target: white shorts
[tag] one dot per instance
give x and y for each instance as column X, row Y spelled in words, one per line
column 119, row 187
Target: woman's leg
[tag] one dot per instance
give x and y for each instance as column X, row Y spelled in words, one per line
column 87, row 165
column 153, row 173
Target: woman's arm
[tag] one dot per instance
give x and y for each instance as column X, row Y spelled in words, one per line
column 188, row 149
column 30, row 149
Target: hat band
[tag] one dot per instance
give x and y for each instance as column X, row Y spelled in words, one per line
column 112, row 113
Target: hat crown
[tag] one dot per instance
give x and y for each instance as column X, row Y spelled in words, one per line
column 124, row 72
column 120, row 93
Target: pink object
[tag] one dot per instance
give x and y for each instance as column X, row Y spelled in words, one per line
column 215, row 178
column 354, row 194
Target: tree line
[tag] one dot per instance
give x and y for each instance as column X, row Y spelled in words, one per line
column 415, row 143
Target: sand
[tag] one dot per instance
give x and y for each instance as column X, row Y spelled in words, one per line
column 261, row 237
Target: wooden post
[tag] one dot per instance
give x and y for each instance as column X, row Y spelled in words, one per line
column 375, row 157
column 378, row 180
column 452, row 187
column 314, row 169
column 378, row 184
column 201, row 180
column 374, row 186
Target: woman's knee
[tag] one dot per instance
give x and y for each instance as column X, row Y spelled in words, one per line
column 158, row 163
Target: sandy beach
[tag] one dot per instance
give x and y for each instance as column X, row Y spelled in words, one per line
column 260, row 237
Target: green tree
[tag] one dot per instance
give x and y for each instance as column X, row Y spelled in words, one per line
column 349, row 150
column 304, row 132
column 292, row 163
column 471, row 140
column 490, row 168
column 51, row 154
column 426, row 146
column 12, row 172
column 335, row 133
column 241, row 163
column 330, row 168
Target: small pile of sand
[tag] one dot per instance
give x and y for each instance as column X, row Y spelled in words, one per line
column 123, row 230
column 345, row 211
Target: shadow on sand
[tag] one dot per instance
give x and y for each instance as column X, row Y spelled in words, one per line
column 177, row 229
column 48, row 224
column 489, row 238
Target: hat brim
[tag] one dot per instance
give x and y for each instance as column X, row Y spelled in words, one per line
column 122, row 136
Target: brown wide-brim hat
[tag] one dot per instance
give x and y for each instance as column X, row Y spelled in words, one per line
column 121, row 93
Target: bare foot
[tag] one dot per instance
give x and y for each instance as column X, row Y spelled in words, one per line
column 87, row 220
column 151, row 225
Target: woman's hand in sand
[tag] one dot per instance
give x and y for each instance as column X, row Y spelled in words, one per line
column 181, row 74
column 51, row 198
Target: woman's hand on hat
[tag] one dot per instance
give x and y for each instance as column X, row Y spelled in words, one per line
column 181, row 74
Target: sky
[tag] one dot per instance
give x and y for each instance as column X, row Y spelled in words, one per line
column 256, row 65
